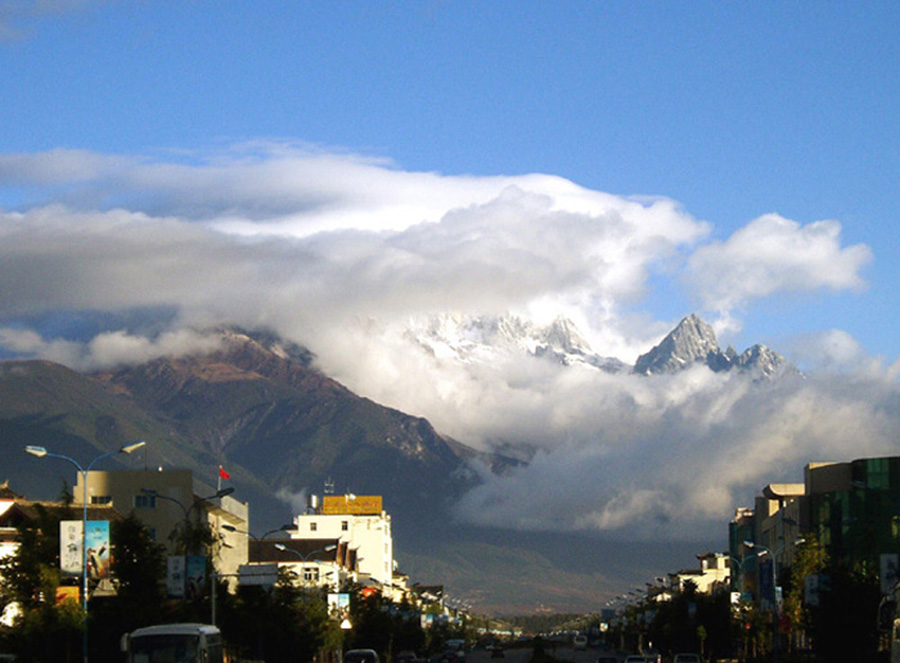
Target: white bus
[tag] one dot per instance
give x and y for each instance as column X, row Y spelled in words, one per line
column 173, row 643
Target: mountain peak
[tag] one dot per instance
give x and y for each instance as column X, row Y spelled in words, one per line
column 691, row 341
column 694, row 342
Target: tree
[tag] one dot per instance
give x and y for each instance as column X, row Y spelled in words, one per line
column 282, row 624
column 845, row 624
column 44, row 630
column 692, row 621
column 138, row 569
column 51, row 631
column 810, row 558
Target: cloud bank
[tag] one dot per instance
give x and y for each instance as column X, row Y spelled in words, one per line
column 343, row 253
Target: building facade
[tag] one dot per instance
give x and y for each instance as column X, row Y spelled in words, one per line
column 851, row 508
column 359, row 522
column 170, row 502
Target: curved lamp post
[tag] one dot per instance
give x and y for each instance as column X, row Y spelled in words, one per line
column 304, row 558
column 257, row 539
column 41, row 452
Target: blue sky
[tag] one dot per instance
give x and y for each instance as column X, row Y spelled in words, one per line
column 732, row 110
column 332, row 170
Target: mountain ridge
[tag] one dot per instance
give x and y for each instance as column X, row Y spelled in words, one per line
column 258, row 406
column 473, row 339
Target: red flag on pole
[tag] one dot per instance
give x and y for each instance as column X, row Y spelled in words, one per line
column 223, row 474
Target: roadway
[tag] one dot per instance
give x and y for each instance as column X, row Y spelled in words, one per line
column 523, row 654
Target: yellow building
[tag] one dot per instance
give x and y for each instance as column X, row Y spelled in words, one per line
column 166, row 500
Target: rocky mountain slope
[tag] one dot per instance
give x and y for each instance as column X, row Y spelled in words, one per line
column 259, row 406
column 255, row 406
column 693, row 341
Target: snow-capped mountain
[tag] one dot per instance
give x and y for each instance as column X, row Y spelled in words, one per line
column 477, row 339
column 487, row 338
column 693, row 341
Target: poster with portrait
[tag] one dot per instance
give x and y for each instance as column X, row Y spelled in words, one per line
column 97, row 542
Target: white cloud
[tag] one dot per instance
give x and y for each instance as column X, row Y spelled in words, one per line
column 833, row 350
column 108, row 350
column 677, row 468
column 339, row 252
column 773, row 254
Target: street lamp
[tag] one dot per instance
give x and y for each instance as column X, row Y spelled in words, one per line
column 304, row 558
column 740, row 563
column 41, row 452
column 258, row 539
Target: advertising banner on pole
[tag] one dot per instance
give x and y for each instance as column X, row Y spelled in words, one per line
column 98, row 549
column 70, row 555
column 175, row 576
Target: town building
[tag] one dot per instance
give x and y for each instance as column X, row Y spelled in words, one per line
column 313, row 563
column 850, row 507
column 170, row 502
column 360, row 522
column 712, row 576
column 7, row 534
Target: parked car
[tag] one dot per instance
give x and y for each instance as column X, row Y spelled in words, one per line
column 687, row 658
column 361, row 656
column 406, row 656
column 580, row 642
column 607, row 659
column 455, row 651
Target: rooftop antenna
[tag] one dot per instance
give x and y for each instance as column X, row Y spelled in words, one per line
column 329, row 486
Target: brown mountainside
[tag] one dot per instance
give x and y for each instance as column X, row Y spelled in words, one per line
column 256, row 407
column 259, row 407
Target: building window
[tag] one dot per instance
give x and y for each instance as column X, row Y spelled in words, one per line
column 145, row 501
column 345, row 525
column 311, row 574
column 312, row 527
column 101, row 499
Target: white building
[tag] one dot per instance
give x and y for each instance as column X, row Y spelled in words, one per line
column 714, row 573
column 359, row 522
column 312, row 562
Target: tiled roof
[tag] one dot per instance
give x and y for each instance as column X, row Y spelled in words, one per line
column 24, row 511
